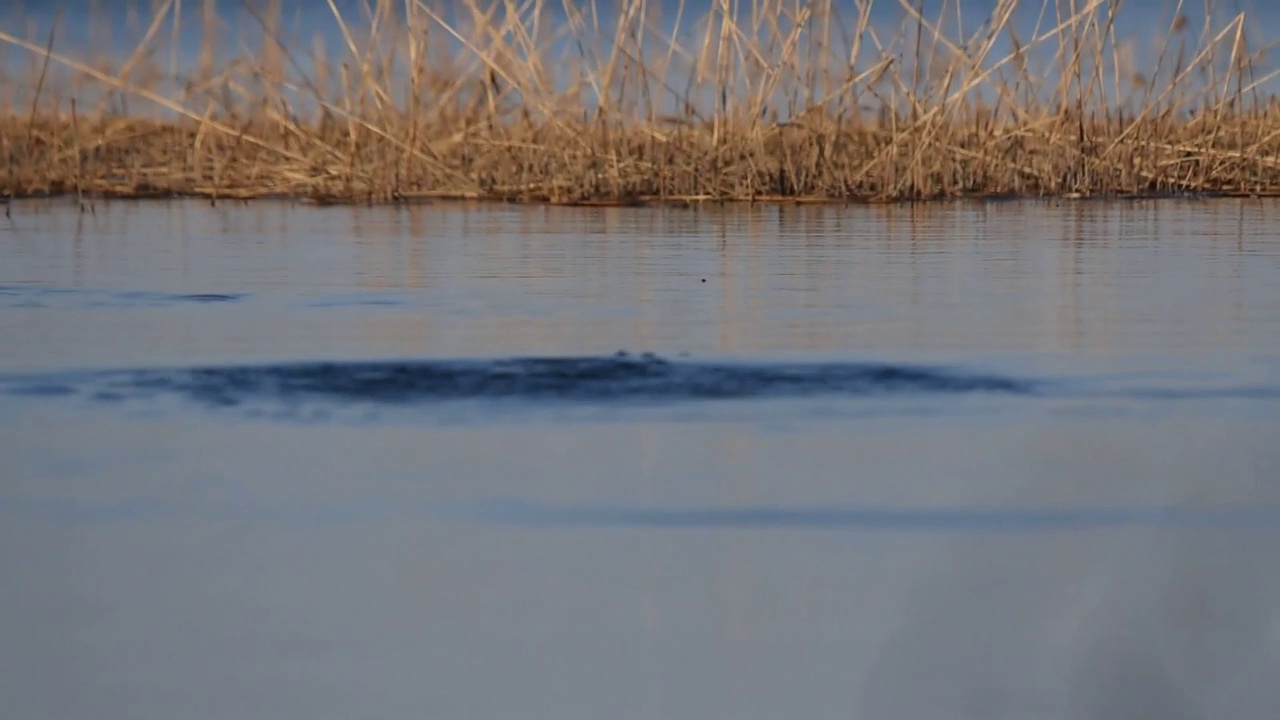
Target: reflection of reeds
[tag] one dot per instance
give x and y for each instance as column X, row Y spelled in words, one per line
column 790, row 100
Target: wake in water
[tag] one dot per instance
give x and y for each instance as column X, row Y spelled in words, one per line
column 621, row 377
column 320, row 389
column 17, row 296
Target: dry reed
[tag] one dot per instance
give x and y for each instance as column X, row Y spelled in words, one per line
column 538, row 101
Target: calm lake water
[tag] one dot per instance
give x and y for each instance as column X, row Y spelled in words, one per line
column 1001, row 460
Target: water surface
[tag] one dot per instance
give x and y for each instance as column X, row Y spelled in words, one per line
column 946, row 461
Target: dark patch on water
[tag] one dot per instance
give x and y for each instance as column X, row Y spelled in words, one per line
column 953, row 519
column 39, row 389
column 154, row 298
column 586, row 379
column 208, row 297
column 314, row 390
column 21, row 296
column 32, row 297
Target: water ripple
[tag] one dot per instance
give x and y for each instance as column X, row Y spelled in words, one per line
column 135, row 298
column 318, row 389
column 15, row 296
column 525, row 513
column 947, row 519
column 584, row 379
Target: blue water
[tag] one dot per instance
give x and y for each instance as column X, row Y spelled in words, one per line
column 971, row 460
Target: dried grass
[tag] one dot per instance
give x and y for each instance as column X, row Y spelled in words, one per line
column 788, row 100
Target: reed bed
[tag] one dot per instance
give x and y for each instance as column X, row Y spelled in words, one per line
column 534, row 100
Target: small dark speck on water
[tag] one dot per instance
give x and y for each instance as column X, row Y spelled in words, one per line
column 704, row 279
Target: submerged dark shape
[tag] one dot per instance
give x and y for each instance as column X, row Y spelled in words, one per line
column 169, row 298
column 622, row 377
column 209, row 297
column 566, row 379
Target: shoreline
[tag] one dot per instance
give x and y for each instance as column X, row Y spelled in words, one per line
column 88, row 200
column 128, row 158
column 803, row 106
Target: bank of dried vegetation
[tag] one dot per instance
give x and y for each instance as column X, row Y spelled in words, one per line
column 794, row 100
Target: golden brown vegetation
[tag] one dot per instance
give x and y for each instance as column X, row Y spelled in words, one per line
column 790, row 99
